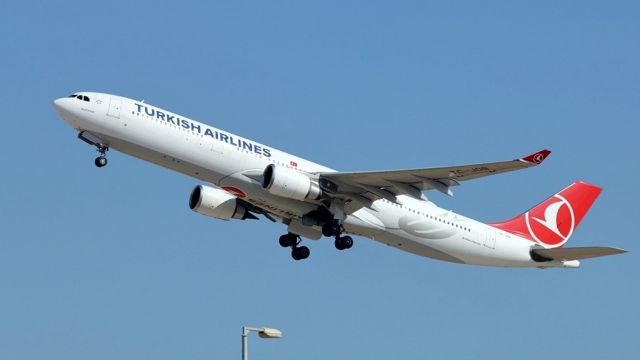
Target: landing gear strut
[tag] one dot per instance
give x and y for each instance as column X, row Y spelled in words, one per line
column 292, row 240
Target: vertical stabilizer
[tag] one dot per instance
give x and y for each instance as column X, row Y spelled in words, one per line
column 552, row 222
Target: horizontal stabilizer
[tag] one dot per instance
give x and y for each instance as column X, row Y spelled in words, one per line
column 576, row 253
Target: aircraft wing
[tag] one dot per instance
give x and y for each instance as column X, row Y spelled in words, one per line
column 577, row 253
column 365, row 187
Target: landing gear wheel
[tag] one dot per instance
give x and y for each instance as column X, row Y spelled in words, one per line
column 343, row 242
column 292, row 240
column 100, row 161
column 288, row 240
column 300, row 253
column 331, row 229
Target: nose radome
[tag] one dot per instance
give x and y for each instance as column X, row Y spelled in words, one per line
column 61, row 105
column 57, row 104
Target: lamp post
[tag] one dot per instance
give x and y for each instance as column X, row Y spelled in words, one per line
column 265, row 333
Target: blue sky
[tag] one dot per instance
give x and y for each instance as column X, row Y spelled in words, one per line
column 111, row 263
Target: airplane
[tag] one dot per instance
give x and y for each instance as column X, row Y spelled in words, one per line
column 244, row 178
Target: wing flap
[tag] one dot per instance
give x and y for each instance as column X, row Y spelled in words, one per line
column 577, row 253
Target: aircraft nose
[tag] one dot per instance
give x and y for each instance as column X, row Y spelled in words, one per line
column 57, row 104
column 61, row 105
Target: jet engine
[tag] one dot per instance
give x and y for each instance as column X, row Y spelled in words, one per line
column 289, row 183
column 217, row 203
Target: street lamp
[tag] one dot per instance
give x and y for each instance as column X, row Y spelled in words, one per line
column 265, row 333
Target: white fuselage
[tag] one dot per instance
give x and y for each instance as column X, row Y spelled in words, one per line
column 227, row 160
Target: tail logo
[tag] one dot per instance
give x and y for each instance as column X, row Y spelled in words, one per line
column 552, row 223
column 537, row 158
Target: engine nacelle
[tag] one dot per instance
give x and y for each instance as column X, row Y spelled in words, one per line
column 289, row 183
column 217, row 203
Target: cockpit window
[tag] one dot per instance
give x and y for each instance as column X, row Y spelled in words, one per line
column 80, row 97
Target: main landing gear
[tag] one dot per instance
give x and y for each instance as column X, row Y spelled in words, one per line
column 334, row 229
column 292, row 241
column 343, row 242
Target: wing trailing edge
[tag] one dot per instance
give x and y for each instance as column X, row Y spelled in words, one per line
column 388, row 184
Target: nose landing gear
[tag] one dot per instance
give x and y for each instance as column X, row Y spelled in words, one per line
column 102, row 148
column 101, row 160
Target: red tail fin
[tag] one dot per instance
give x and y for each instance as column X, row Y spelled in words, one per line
column 552, row 222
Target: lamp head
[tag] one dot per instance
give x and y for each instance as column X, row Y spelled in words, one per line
column 269, row 333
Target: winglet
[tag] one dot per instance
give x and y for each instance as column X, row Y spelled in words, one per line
column 536, row 158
